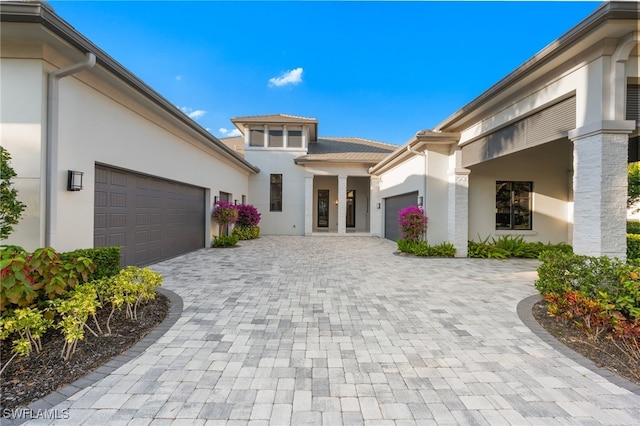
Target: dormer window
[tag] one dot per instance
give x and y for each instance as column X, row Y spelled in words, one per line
column 294, row 139
column 276, row 137
column 256, row 137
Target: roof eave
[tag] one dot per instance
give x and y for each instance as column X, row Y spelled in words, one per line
column 608, row 10
column 43, row 14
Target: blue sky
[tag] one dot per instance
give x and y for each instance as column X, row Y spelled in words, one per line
column 378, row 70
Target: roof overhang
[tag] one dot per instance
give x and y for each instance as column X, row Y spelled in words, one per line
column 278, row 120
column 417, row 145
column 611, row 20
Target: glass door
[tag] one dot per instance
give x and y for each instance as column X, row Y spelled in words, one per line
column 323, row 208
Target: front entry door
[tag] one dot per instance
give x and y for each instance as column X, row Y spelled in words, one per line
column 351, row 209
column 323, row 208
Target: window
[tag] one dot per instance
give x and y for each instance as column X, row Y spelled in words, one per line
column 294, row 138
column 256, row 137
column 276, row 138
column 276, row 193
column 513, row 205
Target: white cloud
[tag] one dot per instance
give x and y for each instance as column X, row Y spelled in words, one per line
column 194, row 114
column 178, row 77
column 292, row 77
column 229, row 133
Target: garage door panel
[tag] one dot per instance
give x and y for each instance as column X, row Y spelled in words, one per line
column 392, row 206
column 140, row 213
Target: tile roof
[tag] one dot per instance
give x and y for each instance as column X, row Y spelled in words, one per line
column 236, row 143
column 274, row 118
column 346, row 150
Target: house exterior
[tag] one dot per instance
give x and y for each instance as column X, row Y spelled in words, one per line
column 542, row 154
column 150, row 173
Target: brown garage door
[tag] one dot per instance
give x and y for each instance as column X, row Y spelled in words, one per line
column 392, row 207
column 152, row 219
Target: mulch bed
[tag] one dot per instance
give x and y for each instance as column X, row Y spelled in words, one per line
column 602, row 351
column 27, row 379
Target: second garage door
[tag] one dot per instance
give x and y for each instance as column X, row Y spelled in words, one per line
column 392, row 207
column 152, row 219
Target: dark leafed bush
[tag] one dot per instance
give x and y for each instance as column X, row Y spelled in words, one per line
column 106, row 259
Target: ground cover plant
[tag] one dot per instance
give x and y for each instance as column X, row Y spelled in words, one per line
column 422, row 248
column 593, row 304
column 507, row 246
column 57, row 323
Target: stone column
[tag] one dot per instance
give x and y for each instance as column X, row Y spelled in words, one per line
column 308, row 205
column 600, row 155
column 342, row 204
column 458, row 225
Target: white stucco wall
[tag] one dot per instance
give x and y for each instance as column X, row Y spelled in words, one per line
column 22, row 133
column 408, row 176
column 550, row 187
column 290, row 221
column 100, row 124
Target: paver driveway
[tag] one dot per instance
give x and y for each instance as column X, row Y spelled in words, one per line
column 330, row 330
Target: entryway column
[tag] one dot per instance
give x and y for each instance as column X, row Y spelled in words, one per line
column 459, row 210
column 342, row 204
column 375, row 217
column 600, row 155
column 308, row 205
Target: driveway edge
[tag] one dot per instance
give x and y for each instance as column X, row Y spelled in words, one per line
column 525, row 313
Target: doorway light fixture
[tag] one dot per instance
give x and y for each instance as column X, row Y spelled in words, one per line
column 74, row 180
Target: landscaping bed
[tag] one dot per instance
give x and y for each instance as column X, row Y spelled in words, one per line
column 602, row 351
column 27, row 379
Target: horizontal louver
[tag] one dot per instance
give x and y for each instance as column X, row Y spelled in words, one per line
column 544, row 126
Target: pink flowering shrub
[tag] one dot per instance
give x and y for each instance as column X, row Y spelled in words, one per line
column 413, row 223
column 248, row 215
column 224, row 213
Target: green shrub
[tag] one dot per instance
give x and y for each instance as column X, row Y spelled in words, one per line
column 106, row 259
column 225, row 241
column 507, row 246
column 633, row 227
column 633, row 246
column 421, row 248
column 246, row 232
column 28, row 278
column 562, row 273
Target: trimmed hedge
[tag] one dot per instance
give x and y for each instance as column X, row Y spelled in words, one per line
column 633, row 246
column 106, row 259
column 246, row 232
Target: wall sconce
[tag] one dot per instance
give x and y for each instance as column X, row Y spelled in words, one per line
column 378, row 206
column 74, row 180
column 336, row 201
column 235, row 202
column 215, row 199
column 420, row 200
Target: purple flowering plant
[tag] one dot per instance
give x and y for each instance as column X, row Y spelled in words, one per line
column 413, row 223
column 248, row 215
column 224, row 213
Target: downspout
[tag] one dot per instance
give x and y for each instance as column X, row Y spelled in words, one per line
column 52, row 144
column 424, row 191
column 423, row 154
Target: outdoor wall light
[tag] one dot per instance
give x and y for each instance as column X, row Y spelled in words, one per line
column 378, row 205
column 420, row 199
column 235, row 202
column 74, row 180
column 215, row 199
column 336, row 201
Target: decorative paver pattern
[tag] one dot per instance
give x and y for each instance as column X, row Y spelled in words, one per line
column 339, row 330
